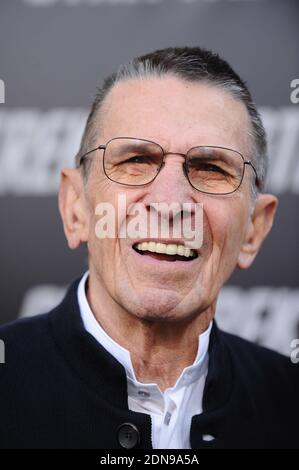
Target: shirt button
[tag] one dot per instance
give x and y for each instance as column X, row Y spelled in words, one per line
column 208, row 437
column 128, row 435
column 167, row 418
column 144, row 394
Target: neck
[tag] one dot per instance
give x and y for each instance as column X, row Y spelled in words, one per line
column 159, row 350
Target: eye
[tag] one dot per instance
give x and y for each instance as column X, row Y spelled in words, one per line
column 205, row 166
column 138, row 159
column 212, row 167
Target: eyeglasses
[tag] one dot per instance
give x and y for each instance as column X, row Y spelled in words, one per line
column 137, row 162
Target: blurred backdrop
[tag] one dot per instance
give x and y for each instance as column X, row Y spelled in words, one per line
column 53, row 54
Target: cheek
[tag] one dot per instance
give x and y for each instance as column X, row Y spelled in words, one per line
column 108, row 203
column 226, row 225
column 101, row 202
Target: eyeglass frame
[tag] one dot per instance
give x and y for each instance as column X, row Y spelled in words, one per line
column 104, row 146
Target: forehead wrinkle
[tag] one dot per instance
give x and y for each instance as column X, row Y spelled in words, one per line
column 207, row 134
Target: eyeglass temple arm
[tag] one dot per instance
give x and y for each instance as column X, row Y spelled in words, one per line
column 257, row 180
column 100, row 147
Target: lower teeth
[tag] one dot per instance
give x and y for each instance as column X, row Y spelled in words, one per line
column 165, row 255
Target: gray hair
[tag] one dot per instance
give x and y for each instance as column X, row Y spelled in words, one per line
column 193, row 64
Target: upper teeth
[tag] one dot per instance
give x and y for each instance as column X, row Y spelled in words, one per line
column 167, row 248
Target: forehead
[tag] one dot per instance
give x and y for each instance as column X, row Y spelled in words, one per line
column 175, row 113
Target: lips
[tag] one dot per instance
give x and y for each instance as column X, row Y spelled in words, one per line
column 165, row 251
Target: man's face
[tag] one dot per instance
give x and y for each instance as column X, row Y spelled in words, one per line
column 178, row 115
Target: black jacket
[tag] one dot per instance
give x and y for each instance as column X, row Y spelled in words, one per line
column 60, row 389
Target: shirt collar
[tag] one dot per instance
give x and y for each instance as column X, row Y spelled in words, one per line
column 122, row 355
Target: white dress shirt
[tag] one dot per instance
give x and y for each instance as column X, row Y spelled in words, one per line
column 171, row 411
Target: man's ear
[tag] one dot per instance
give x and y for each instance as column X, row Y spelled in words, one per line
column 259, row 225
column 73, row 207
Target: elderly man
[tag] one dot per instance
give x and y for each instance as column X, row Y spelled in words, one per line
column 132, row 357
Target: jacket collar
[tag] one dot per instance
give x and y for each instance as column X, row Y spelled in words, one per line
column 95, row 366
column 107, row 377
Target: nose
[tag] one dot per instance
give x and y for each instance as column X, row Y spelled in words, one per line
column 171, row 185
column 172, row 182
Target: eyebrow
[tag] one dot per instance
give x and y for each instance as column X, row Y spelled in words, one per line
column 214, row 153
column 140, row 146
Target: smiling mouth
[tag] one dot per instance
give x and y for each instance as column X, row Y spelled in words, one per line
column 165, row 251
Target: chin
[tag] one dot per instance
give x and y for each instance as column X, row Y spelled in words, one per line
column 152, row 305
